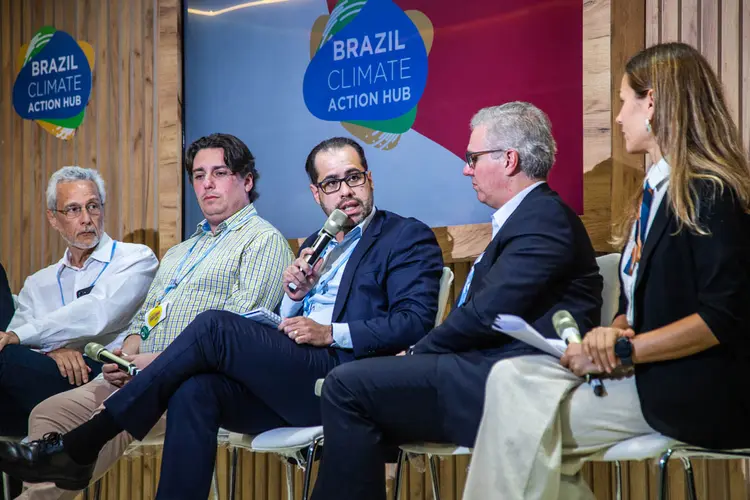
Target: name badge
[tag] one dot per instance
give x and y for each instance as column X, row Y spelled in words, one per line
column 153, row 317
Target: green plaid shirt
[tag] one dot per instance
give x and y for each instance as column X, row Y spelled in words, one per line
column 241, row 273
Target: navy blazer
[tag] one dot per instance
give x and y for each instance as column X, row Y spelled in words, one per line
column 539, row 262
column 700, row 399
column 7, row 309
column 389, row 291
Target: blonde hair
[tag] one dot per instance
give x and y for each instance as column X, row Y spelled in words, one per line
column 693, row 128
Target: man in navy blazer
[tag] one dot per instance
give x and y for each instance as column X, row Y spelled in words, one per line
column 540, row 260
column 374, row 292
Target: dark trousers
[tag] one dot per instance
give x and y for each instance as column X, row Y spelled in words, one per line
column 371, row 406
column 226, row 371
column 26, row 379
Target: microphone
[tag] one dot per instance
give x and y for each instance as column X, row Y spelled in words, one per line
column 567, row 329
column 99, row 353
column 334, row 224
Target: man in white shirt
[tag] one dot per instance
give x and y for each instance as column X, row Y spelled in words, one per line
column 90, row 295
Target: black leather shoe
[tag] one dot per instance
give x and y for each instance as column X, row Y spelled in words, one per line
column 44, row 461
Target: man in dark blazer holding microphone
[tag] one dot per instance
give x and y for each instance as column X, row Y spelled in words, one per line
column 374, row 292
column 540, row 260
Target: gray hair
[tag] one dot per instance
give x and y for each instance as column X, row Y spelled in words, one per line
column 73, row 174
column 523, row 127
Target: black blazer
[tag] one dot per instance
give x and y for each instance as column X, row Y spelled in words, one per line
column 7, row 308
column 389, row 290
column 539, row 262
column 703, row 399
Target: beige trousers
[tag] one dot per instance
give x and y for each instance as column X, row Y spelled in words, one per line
column 540, row 424
column 68, row 410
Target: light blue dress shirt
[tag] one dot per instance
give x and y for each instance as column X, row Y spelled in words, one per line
column 320, row 301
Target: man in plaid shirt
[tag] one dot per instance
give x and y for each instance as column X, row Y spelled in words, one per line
column 234, row 262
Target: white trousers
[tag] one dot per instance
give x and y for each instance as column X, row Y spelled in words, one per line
column 539, row 426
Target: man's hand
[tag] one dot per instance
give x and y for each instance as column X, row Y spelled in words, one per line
column 119, row 378
column 132, row 344
column 576, row 360
column 302, row 275
column 71, row 364
column 599, row 346
column 306, row 331
column 7, row 338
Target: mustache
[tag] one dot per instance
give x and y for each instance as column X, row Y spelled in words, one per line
column 349, row 200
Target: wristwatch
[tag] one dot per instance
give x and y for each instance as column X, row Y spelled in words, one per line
column 624, row 351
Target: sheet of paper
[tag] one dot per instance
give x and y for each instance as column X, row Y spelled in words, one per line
column 519, row 329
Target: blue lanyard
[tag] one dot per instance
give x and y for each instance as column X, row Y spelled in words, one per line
column 322, row 285
column 59, row 283
column 174, row 282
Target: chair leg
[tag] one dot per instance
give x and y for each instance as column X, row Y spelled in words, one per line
column 233, row 475
column 98, row 489
column 689, row 478
column 6, row 486
column 215, row 484
column 663, row 474
column 308, row 467
column 618, row 480
column 400, row 462
column 434, row 475
column 289, row 480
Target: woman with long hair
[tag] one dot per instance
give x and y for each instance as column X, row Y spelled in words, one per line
column 676, row 356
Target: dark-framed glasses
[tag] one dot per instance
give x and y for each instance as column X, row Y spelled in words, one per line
column 472, row 156
column 75, row 211
column 330, row 186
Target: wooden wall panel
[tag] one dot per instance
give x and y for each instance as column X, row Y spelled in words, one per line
column 132, row 133
column 117, row 137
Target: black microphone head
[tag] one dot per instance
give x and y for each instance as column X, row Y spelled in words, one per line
column 562, row 320
column 93, row 350
column 335, row 222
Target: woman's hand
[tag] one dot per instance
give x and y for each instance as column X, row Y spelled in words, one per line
column 599, row 346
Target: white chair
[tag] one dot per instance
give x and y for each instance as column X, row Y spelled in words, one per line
column 653, row 446
column 290, row 442
column 610, row 296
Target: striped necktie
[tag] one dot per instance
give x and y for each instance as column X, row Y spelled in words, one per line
column 641, row 228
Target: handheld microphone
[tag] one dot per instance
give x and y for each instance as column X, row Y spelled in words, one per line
column 334, row 224
column 99, row 353
column 567, row 329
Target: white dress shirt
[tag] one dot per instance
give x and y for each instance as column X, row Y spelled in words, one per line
column 323, row 302
column 499, row 218
column 658, row 179
column 42, row 321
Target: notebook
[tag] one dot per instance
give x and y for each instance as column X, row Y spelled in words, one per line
column 264, row 317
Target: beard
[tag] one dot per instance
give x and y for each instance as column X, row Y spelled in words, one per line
column 85, row 246
column 365, row 208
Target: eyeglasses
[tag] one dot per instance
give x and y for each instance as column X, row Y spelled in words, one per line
column 75, row 211
column 471, row 156
column 330, row 186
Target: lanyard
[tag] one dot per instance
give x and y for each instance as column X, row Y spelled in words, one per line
column 322, row 286
column 59, row 283
column 174, row 282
